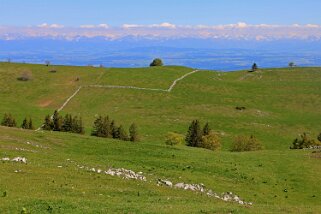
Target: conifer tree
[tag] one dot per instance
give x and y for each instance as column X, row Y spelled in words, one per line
column 57, row 121
column 80, row 127
column 113, row 129
column 30, row 124
column 133, row 133
column 48, row 124
column 67, row 123
column 194, row 134
column 25, row 124
column 8, row 120
column 122, row 134
column 206, row 129
column 97, row 127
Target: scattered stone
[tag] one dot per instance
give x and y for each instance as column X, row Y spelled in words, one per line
column 161, row 182
column 228, row 196
column 16, row 159
column 19, row 159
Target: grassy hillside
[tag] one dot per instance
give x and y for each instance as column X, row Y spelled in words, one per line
column 280, row 104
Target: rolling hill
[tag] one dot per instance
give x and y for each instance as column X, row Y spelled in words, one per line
column 280, row 105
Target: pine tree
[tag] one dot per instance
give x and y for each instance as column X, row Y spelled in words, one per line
column 113, row 129
column 106, row 131
column 57, row 121
column 254, row 67
column 25, row 124
column 97, row 127
column 67, row 123
column 80, row 128
column 30, row 124
column 48, row 124
column 194, row 134
column 133, row 133
column 206, row 129
column 8, row 120
column 122, row 134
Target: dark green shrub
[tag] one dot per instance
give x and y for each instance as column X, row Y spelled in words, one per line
column 244, row 143
column 156, row 62
column 319, row 137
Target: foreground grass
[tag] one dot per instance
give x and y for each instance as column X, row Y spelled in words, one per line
column 275, row 181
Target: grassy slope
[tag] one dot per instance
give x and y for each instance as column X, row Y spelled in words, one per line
column 281, row 103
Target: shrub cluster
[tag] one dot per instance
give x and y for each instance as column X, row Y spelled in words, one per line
column 304, row 142
column 244, row 143
column 203, row 138
column 107, row 128
column 68, row 123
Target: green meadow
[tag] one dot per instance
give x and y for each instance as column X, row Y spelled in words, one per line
column 280, row 105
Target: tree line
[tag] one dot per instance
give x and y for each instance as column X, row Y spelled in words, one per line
column 107, row 128
column 68, row 123
column 9, row 121
column 103, row 126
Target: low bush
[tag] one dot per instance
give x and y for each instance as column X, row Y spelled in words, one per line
column 244, row 143
column 173, row 138
column 24, row 77
column 304, row 141
column 211, row 141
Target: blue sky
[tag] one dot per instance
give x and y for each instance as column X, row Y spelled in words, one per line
column 180, row 12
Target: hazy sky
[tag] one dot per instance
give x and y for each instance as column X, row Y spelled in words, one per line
column 179, row 12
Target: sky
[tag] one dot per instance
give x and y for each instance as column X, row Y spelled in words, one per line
column 73, row 13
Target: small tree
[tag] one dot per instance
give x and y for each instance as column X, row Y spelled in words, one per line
column 47, row 62
column 173, row 138
column 133, row 133
column 48, row 124
column 67, row 124
column 291, row 64
column 206, row 129
column 8, row 120
column 194, row 134
column 319, row 137
column 57, row 121
column 25, row 124
column 211, row 141
column 122, row 134
column 31, row 127
column 157, row 62
column 254, row 67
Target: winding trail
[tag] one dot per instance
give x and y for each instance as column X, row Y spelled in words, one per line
column 171, row 87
